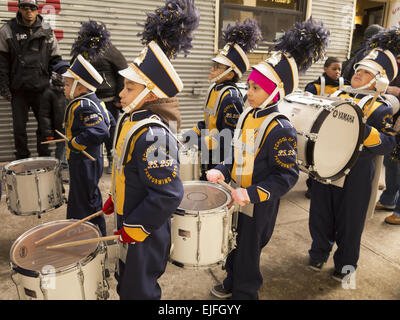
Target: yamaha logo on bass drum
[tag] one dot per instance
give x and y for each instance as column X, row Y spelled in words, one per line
column 343, row 116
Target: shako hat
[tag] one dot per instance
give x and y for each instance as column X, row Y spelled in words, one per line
column 84, row 73
column 239, row 39
column 292, row 54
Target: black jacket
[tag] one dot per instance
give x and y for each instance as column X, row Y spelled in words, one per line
column 51, row 113
column 27, row 54
column 108, row 66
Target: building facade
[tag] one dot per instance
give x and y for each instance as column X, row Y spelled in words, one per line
column 122, row 18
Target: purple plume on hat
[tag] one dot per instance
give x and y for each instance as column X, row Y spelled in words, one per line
column 247, row 34
column 93, row 40
column 387, row 39
column 171, row 27
column 306, row 43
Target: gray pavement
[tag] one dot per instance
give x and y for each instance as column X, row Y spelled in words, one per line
column 283, row 260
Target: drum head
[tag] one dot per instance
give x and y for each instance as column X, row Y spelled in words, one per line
column 339, row 137
column 203, row 196
column 31, row 165
column 26, row 255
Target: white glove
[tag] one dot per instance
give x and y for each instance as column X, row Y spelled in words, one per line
column 241, row 196
column 214, row 175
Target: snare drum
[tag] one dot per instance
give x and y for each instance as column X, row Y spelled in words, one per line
column 189, row 164
column 203, row 227
column 74, row 273
column 330, row 133
column 33, row 185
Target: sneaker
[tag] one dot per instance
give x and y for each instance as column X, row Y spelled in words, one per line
column 339, row 276
column 380, row 206
column 221, row 292
column 315, row 265
column 393, row 219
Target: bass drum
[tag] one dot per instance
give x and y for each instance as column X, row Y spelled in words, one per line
column 330, row 133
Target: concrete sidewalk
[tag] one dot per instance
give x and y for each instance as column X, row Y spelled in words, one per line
column 283, row 261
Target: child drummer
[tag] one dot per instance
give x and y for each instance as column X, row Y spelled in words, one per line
column 264, row 164
column 338, row 212
column 87, row 124
column 146, row 188
column 224, row 102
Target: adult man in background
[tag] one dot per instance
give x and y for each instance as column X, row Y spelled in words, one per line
column 28, row 50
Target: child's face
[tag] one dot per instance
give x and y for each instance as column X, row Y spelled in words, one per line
column 130, row 92
column 361, row 77
column 79, row 89
column 255, row 94
column 334, row 70
column 216, row 70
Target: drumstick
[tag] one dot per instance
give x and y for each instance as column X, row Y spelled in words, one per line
column 52, row 235
column 227, row 186
column 372, row 102
column 224, row 184
column 53, row 141
column 83, row 151
column 82, row 242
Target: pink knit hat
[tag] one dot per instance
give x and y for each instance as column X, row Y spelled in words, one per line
column 268, row 85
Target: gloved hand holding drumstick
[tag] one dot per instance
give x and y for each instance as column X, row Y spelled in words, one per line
column 239, row 195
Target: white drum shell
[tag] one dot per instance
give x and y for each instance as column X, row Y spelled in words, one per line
column 33, row 192
column 337, row 139
column 201, row 240
column 82, row 283
column 84, row 279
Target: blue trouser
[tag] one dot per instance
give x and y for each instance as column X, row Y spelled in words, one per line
column 390, row 196
column 84, row 196
column 243, row 263
column 145, row 263
column 338, row 215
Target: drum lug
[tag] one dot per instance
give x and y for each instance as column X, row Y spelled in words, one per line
column 313, row 136
column 328, row 108
column 81, row 279
column 198, row 239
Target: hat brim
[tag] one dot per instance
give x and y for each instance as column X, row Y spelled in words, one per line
column 68, row 74
column 131, row 75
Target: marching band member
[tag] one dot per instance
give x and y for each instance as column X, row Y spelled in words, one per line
column 87, row 125
column 146, row 188
column 264, row 166
column 224, row 102
column 338, row 212
column 330, row 81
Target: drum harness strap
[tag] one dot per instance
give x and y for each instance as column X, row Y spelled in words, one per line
column 243, row 147
column 323, row 84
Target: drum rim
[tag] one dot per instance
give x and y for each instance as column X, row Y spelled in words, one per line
column 6, row 168
column 317, row 126
column 82, row 262
column 208, row 211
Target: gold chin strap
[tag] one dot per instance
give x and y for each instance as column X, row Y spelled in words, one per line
column 133, row 105
column 223, row 74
